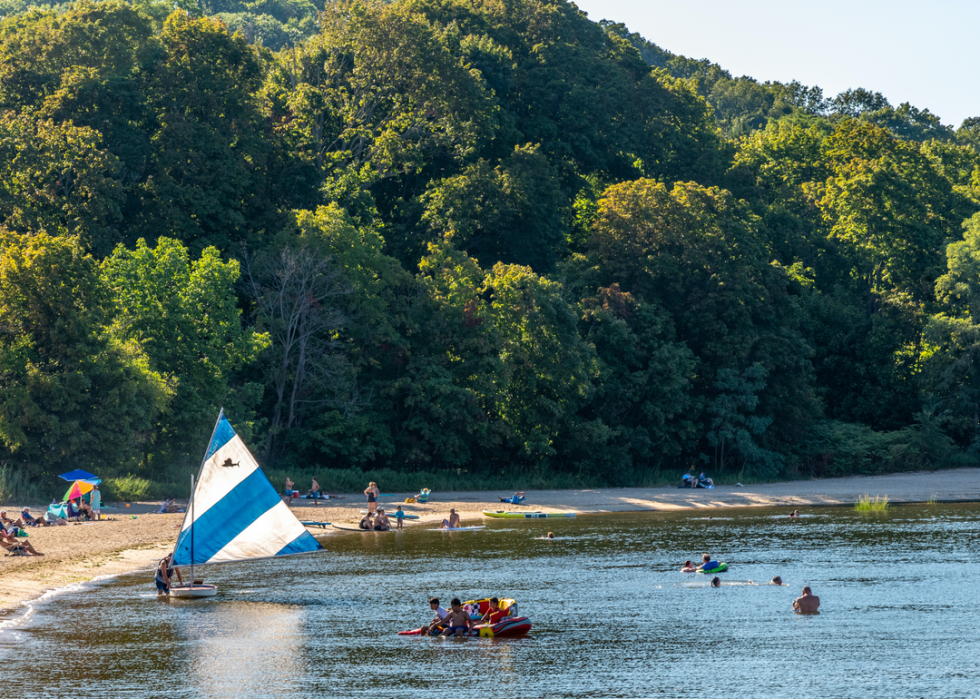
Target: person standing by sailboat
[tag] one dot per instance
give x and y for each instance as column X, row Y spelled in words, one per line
column 165, row 572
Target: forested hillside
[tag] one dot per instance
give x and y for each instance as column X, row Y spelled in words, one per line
column 479, row 239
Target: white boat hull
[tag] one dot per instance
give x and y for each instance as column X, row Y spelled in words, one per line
column 193, row 592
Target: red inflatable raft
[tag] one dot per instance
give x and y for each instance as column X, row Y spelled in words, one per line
column 508, row 627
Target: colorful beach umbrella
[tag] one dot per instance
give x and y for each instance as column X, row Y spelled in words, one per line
column 78, row 489
column 78, row 475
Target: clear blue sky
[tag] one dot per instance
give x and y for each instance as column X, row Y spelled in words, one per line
column 925, row 52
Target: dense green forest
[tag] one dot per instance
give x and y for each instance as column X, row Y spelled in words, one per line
column 461, row 241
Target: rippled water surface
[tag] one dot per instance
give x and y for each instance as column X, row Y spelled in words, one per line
column 612, row 616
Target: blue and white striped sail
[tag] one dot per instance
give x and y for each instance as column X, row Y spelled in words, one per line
column 237, row 514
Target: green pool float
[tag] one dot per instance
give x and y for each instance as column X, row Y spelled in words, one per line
column 722, row 567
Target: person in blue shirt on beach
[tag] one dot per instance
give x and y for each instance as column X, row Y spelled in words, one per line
column 400, row 516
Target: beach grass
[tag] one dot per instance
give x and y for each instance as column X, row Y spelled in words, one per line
column 866, row 503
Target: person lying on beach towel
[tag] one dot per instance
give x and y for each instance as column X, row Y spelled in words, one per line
column 516, row 499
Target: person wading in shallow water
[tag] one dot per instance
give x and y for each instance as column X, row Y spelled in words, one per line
column 807, row 603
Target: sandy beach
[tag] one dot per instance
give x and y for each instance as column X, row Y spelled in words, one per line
column 135, row 539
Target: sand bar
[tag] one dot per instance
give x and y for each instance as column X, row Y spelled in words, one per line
column 135, row 539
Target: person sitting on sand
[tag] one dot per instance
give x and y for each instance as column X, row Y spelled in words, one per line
column 689, row 567
column 85, row 509
column 704, row 481
column 7, row 522
column 18, row 548
column 807, row 603
column 452, row 522
column 707, row 565
column 494, row 613
column 716, row 581
column 515, row 499
column 439, row 620
column 30, row 521
column 687, row 480
column 458, row 621
column 381, row 523
column 776, row 580
column 367, row 522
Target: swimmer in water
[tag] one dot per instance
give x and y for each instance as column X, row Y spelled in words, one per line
column 807, row 603
column 551, row 535
column 794, row 513
column 688, row 567
column 716, row 581
column 776, row 580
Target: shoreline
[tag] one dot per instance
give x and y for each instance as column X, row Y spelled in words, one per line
column 136, row 539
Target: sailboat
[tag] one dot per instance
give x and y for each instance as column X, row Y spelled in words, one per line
column 234, row 514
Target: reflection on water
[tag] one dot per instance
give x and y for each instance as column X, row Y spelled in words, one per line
column 612, row 615
column 239, row 644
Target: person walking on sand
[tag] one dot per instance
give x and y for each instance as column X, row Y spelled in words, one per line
column 807, row 603
column 372, row 494
column 96, row 503
column 288, row 494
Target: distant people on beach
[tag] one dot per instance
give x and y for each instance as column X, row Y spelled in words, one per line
column 168, row 506
column 689, row 567
column 807, row 603
column 288, row 494
column 400, row 517
column 381, row 522
column 96, row 502
column 367, row 522
column 515, row 499
column 17, row 548
column 30, row 521
column 452, row 522
column 314, row 492
column 7, row 522
column 372, row 494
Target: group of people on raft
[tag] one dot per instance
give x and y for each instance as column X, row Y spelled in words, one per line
column 458, row 620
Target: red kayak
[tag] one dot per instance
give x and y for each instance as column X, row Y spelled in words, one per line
column 508, row 627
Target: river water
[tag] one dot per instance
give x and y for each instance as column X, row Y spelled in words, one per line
column 612, row 616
